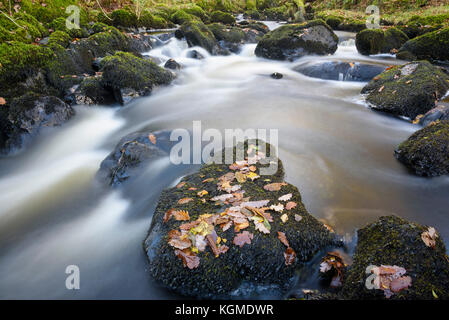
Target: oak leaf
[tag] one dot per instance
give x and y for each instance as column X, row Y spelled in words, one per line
column 285, row 197
column 184, row 200
column 189, row 259
column 276, row 186
column 242, row 238
column 283, row 238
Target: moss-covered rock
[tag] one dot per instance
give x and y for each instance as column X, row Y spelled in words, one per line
column 440, row 112
column 126, row 71
column 59, row 37
column 426, row 152
column 222, row 17
column 124, row 18
column 408, row 90
column 415, row 30
column 198, row 34
column 150, row 21
column 181, row 16
column 352, row 25
column 296, row 40
column 277, row 14
column 392, row 241
column 91, row 91
column 370, row 41
column 393, row 40
column 260, row 263
column 198, row 12
column 334, row 21
column 253, row 14
column 433, row 46
column 99, row 27
column 229, row 38
column 59, row 24
column 28, row 114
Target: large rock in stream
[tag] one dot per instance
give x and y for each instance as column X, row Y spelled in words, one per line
column 222, row 228
column 408, row 90
column 410, row 261
column 433, row 45
column 426, row 152
column 293, row 41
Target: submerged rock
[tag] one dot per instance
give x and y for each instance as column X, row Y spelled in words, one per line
column 277, row 75
column 131, row 153
column 194, row 54
column 426, row 152
column 341, row 71
column 433, row 45
column 293, row 41
column 392, row 241
column 199, row 246
column 440, row 112
column 408, row 90
column 27, row 115
column 172, row 64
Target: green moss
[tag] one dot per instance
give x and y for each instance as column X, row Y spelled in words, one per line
column 394, row 39
column 429, row 20
column 198, row 12
column 124, row 70
column 106, row 42
column 277, row 13
column 221, row 33
column 222, row 17
column 426, row 152
column 334, row 21
column 198, row 34
column 99, row 27
column 253, row 14
column 59, row 37
column 123, row 18
column 433, row 46
column 19, row 60
column 59, row 24
column 180, row 17
column 369, row 41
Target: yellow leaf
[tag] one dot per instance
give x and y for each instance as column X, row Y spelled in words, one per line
column 284, row 218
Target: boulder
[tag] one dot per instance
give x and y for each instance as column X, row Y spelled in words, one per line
column 198, row 34
column 341, row 71
column 408, row 90
column 27, row 115
column 131, row 154
column 392, row 241
column 126, row 71
column 91, row 91
column 222, row 17
column 229, row 38
column 277, row 75
column 194, row 54
column 172, row 64
column 440, row 112
column 203, row 241
column 426, row 152
column 293, row 41
column 433, row 46
column 375, row 41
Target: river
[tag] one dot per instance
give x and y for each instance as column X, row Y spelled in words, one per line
column 337, row 151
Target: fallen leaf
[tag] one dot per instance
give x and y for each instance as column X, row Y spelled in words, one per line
column 189, row 259
column 290, row 205
column 152, row 138
column 298, row 217
column 178, row 240
column 260, row 226
column 2, row 101
column 274, row 186
column 253, row 176
column 253, row 168
column 289, row 256
column 184, row 200
column 278, row 207
column 202, row 193
column 285, row 197
column 255, row 204
column 429, row 237
column 208, row 180
column 283, row 238
column 243, row 238
column 222, row 197
column 180, row 185
column 180, row 215
column 241, row 177
column 284, row 218
column 381, row 88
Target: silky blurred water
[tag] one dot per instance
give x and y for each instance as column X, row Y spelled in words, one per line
column 338, row 153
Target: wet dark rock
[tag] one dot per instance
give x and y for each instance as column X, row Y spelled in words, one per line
column 91, row 91
column 341, row 71
column 131, row 154
column 433, row 46
column 293, row 41
column 139, row 42
column 440, row 112
column 426, row 152
column 179, row 34
column 229, row 38
column 254, row 32
column 395, row 241
column 408, row 90
column 277, row 75
column 375, row 41
column 194, row 54
column 25, row 116
column 165, row 36
column 258, row 264
column 172, row 64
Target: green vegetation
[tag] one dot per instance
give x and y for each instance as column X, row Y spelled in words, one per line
column 223, row 17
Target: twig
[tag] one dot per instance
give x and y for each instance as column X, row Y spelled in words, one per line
column 12, row 20
column 104, row 12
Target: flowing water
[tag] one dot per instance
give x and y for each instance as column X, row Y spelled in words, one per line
column 338, row 152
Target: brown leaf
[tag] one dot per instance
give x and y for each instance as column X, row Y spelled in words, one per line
column 429, row 237
column 184, row 200
column 381, row 88
column 189, row 259
column 274, row 186
column 180, row 185
column 213, row 244
column 180, row 215
column 289, row 256
column 290, row 205
column 283, row 238
column 208, row 180
column 241, row 238
column 2, row 101
column 202, row 193
column 178, row 240
column 152, row 138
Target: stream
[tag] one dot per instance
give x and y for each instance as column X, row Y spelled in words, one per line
column 337, row 151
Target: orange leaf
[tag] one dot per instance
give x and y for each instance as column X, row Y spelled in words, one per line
column 289, row 256
column 283, row 238
column 290, row 205
column 180, row 185
column 241, row 238
column 189, row 259
column 2, row 101
column 152, row 138
column 274, row 186
column 184, row 200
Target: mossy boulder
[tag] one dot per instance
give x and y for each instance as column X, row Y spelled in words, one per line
column 126, row 71
column 334, row 21
column 392, row 241
column 181, row 16
column 426, row 152
column 150, row 21
column 408, row 90
column 59, row 24
column 440, row 112
column 222, row 17
column 25, row 28
column 198, row 12
column 130, row 154
column 415, row 30
column 229, row 38
column 124, row 18
column 260, row 263
column 59, row 37
column 198, row 34
column 352, row 25
column 28, row 114
column 433, row 46
column 99, row 27
column 375, row 41
column 293, row 41
column 253, row 14
column 91, row 91
column 277, row 13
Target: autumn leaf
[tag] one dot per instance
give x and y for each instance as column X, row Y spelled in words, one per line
column 285, row 197
column 242, row 238
column 241, row 226
column 252, row 168
column 284, row 218
column 429, row 237
column 184, row 200
column 180, row 185
column 290, row 205
column 222, row 197
column 260, row 226
column 381, row 88
column 180, row 215
column 2, row 101
column 241, row 177
column 189, row 259
column 274, row 186
column 278, row 207
column 152, row 138
column 202, row 193
column 253, row 176
column 298, row 218
column 178, row 239
column 255, row 204
column 208, row 180
column 289, row 256
column 283, row 238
